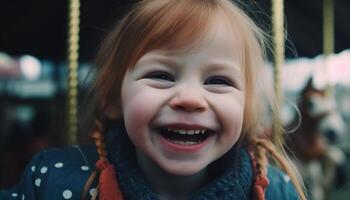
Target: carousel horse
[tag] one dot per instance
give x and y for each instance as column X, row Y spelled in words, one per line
column 314, row 143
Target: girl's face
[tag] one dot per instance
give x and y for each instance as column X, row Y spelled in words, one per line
column 184, row 109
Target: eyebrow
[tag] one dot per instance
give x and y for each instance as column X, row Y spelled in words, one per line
column 156, row 58
column 224, row 65
column 213, row 66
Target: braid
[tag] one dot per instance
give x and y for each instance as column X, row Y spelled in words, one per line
column 260, row 158
column 269, row 147
column 98, row 137
column 107, row 182
column 287, row 166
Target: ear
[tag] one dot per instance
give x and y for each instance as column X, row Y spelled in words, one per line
column 308, row 86
column 309, row 83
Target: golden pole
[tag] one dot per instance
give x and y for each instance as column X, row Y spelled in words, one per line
column 328, row 48
column 73, row 48
column 328, row 27
column 328, row 36
column 278, row 44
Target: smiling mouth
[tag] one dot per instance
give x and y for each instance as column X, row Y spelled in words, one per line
column 185, row 137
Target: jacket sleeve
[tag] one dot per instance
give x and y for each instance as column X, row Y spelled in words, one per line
column 26, row 188
column 280, row 186
column 55, row 174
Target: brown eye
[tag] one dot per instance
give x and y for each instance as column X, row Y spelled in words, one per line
column 218, row 80
column 162, row 76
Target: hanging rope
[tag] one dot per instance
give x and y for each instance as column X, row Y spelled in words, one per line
column 73, row 48
column 278, row 42
column 328, row 27
column 328, row 37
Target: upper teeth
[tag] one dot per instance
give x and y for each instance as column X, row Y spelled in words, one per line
column 188, row 132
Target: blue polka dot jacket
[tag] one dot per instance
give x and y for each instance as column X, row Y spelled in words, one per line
column 62, row 173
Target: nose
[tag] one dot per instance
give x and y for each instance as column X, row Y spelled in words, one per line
column 189, row 99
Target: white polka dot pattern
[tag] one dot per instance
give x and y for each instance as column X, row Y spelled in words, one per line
column 43, row 170
column 37, row 182
column 84, row 168
column 286, row 178
column 93, row 191
column 67, row 194
column 33, row 168
column 23, row 197
column 14, row 194
column 58, row 165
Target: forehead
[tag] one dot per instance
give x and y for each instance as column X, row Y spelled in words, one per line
column 224, row 34
column 222, row 38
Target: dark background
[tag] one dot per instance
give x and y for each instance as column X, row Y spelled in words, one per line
column 39, row 27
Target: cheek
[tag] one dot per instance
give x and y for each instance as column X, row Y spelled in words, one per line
column 234, row 122
column 137, row 115
column 139, row 107
column 230, row 113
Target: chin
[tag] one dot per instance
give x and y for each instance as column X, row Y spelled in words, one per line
column 183, row 170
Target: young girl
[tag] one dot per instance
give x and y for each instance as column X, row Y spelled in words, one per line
column 175, row 114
